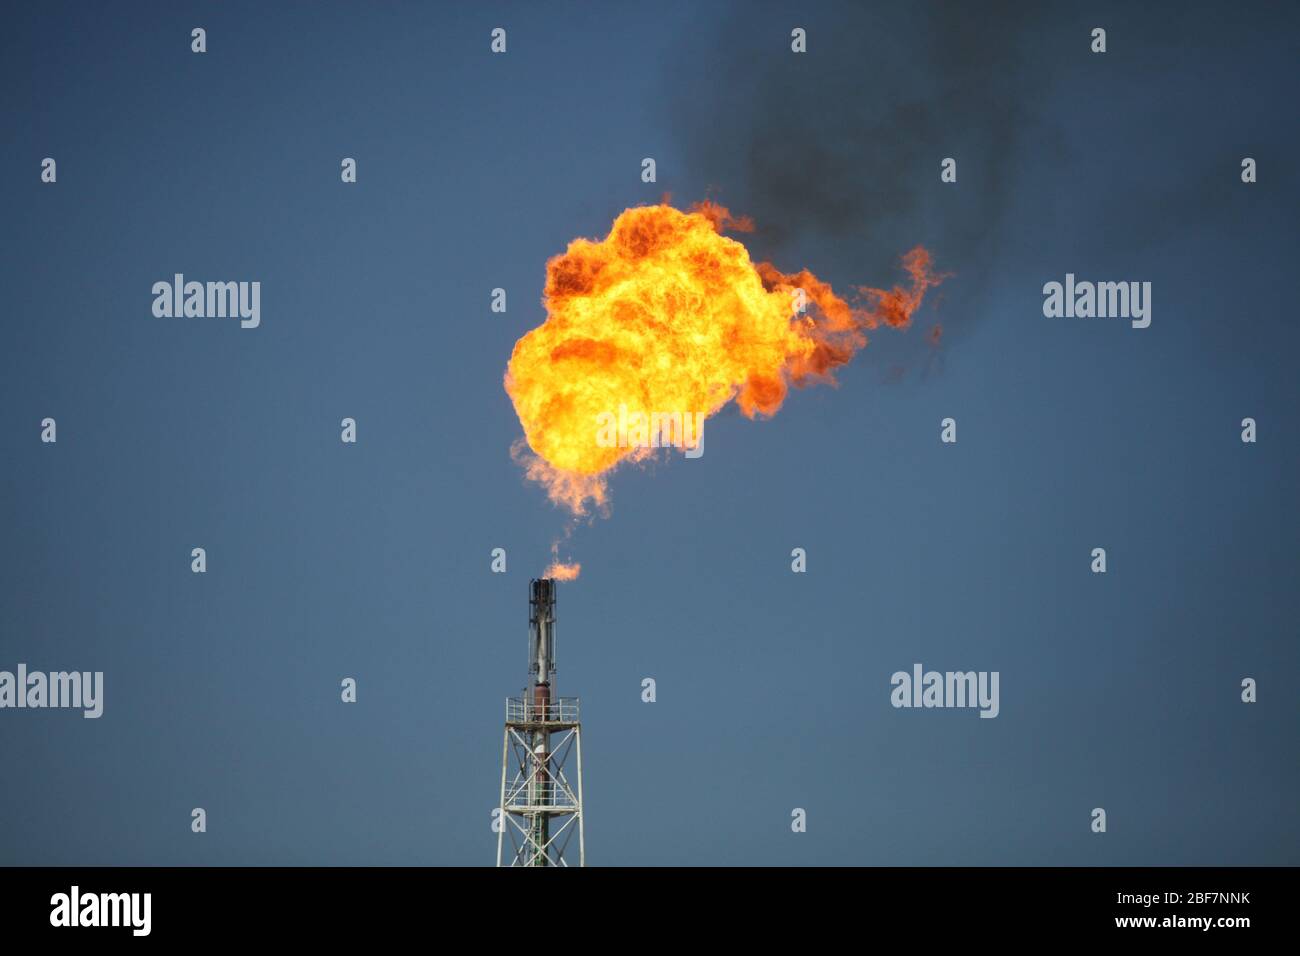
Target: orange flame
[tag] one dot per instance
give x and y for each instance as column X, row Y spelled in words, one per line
column 562, row 572
column 667, row 315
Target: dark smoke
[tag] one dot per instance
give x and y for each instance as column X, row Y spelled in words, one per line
column 843, row 144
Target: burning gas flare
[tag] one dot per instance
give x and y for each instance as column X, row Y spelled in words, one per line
column 666, row 314
column 562, row 572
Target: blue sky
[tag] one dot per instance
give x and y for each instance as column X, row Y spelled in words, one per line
column 373, row 560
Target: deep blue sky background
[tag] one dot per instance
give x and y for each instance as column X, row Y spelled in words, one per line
column 372, row 561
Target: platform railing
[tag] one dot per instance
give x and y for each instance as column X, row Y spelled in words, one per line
column 549, row 794
column 526, row 710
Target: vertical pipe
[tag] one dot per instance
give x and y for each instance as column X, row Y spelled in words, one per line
column 501, row 819
column 541, row 666
column 582, row 842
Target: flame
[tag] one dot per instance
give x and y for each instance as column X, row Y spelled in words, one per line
column 562, row 572
column 666, row 314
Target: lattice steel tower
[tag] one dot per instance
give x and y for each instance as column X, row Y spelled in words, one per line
column 540, row 808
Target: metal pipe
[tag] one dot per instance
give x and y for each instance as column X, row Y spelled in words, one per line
column 541, row 667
